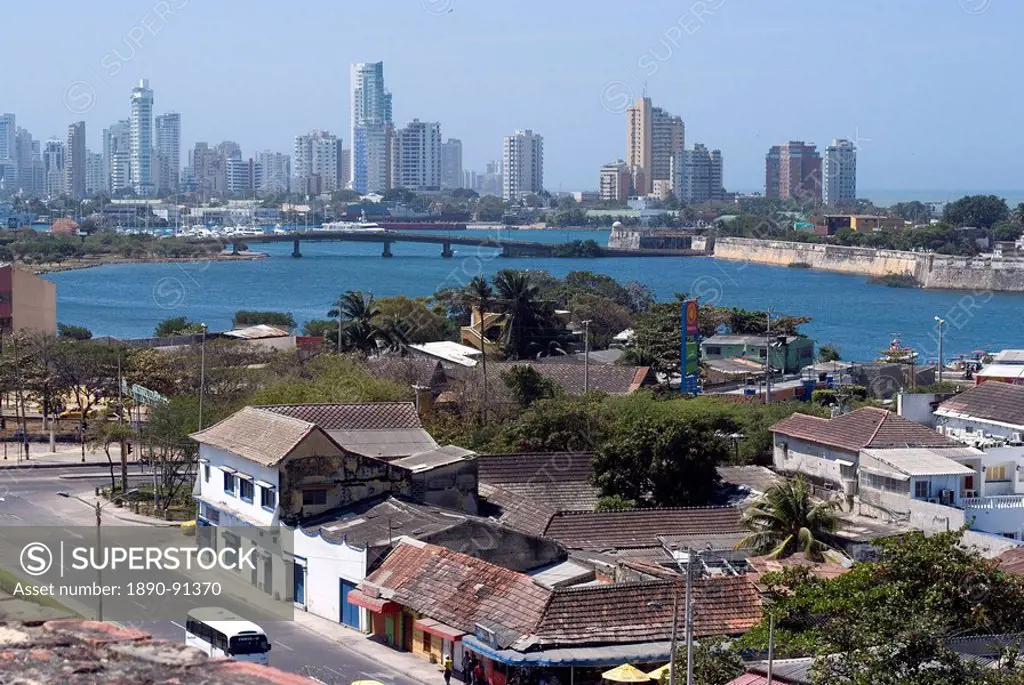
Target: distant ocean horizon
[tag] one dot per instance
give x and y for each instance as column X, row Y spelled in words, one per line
column 889, row 197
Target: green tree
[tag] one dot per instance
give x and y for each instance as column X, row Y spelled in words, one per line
column 358, row 324
column 915, row 211
column 660, row 462
column 176, row 325
column 71, row 332
column 786, row 520
column 490, row 208
column 529, row 326
column 828, row 353
column 245, row 317
column 716, row 661
column 528, row 385
column 478, row 294
column 976, row 210
column 659, row 335
column 414, row 320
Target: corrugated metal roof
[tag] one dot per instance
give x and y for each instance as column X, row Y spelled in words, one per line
column 922, row 461
column 256, row 332
column 442, row 456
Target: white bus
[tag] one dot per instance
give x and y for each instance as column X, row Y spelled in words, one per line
column 219, row 632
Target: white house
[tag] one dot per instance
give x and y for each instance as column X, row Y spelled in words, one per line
column 265, row 470
column 991, row 413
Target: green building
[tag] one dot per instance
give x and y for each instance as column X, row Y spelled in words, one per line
column 789, row 353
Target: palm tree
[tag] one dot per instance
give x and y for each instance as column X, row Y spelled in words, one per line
column 785, row 520
column 519, row 297
column 357, row 329
column 479, row 293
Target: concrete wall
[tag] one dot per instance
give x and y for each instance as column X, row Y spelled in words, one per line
column 33, row 301
column 453, row 486
column 327, row 563
column 969, row 430
column 925, row 516
column 212, row 489
column 793, row 455
column 917, row 407
column 930, row 270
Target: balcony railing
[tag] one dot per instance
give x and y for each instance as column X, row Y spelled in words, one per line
column 997, row 502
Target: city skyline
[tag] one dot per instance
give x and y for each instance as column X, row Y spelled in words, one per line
column 739, row 104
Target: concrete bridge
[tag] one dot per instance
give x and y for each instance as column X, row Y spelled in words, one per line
column 509, row 248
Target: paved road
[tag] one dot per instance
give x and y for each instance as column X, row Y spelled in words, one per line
column 30, row 498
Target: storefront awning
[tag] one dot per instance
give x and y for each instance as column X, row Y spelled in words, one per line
column 429, row 625
column 607, row 655
column 377, row 605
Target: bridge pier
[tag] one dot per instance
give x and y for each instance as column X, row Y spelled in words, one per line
column 506, row 250
column 234, row 248
column 387, row 249
column 296, row 252
column 446, row 251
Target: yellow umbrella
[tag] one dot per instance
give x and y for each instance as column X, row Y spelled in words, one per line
column 626, row 674
column 657, row 673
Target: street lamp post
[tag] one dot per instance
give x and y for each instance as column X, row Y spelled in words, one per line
column 586, row 356
column 940, row 323
column 99, row 536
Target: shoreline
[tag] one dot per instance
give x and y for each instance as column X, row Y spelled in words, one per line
column 79, row 264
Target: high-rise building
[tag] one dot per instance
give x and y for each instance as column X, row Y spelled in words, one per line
column 53, row 168
column 616, row 182
column 8, row 154
column 277, row 172
column 316, row 163
column 95, row 178
column 793, row 172
column 416, row 156
column 522, row 164
column 491, row 182
column 167, row 131
column 75, row 160
column 141, row 158
column 117, row 154
column 653, row 136
column 202, row 168
column 451, row 164
column 31, row 178
column 371, row 129
column 243, row 176
column 346, row 168
column 697, row 175
column 839, row 173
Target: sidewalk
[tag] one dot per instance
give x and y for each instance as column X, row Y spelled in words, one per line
column 117, row 515
column 406, row 663
column 66, row 455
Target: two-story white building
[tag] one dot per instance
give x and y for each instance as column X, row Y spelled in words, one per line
column 991, row 413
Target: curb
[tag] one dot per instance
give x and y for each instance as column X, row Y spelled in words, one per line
column 131, row 518
column 29, row 465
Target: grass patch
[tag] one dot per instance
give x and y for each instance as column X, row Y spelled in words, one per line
column 8, row 581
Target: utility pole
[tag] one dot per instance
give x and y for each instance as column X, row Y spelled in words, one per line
column 120, row 425
column 338, row 349
column 771, row 646
column 202, row 374
column 672, row 643
column 689, row 616
column 768, row 360
column 586, row 356
column 940, row 323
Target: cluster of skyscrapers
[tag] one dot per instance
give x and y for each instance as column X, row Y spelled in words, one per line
column 657, row 162
column 796, row 171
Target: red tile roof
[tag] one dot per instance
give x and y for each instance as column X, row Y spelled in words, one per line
column 457, row 589
column 94, row 653
column 639, row 527
column 1012, row 561
column 556, row 481
column 867, row 427
column 642, row 612
column 991, row 400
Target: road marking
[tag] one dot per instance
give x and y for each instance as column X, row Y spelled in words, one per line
column 74, row 534
column 138, row 604
column 281, row 644
column 178, row 625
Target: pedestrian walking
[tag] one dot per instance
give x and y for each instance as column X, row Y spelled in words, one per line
column 448, row 665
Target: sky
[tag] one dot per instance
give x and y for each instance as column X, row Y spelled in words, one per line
column 926, row 88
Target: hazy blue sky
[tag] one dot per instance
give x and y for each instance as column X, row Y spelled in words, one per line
column 930, row 87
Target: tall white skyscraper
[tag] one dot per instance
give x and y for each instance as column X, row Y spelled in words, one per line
column 416, row 156
column 277, row 172
column 371, row 128
column 141, row 158
column 317, row 163
column 53, row 168
column 522, row 164
column 167, row 130
column 8, row 154
column 839, row 173
column 451, row 164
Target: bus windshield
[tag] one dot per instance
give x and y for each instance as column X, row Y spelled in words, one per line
column 248, row 644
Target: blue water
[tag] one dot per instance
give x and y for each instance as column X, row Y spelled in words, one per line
column 127, row 300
